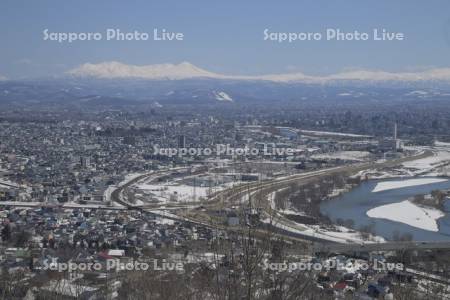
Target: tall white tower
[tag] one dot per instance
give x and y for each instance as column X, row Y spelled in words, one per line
column 395, row 131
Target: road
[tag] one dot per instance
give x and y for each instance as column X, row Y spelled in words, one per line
column 388, row 246
column 59, row 205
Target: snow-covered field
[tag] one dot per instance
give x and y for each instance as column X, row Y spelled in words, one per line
column 428, row 164
column 175, row 192
column 438, row 164
column 408, row 213
column 397, row 184
column 178, row 191
column 344, row 155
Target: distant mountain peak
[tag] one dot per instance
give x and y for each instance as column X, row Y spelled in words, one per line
column 114, row 69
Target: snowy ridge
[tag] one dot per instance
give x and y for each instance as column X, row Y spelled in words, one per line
column 185, row 70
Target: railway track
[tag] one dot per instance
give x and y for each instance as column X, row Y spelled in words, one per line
column 235, row 196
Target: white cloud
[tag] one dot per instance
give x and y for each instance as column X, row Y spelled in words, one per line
column 186, row 70
column 3, row 78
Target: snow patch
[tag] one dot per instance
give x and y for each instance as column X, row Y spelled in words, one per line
column 425, row 165
column 222, row 96
column 408, row 213
column 157, row 104
column 343, row 155
column 330, row 133
column 392, row 185
column 442, row 144
column 174, row 192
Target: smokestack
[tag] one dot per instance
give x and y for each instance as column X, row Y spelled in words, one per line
column 395, row 131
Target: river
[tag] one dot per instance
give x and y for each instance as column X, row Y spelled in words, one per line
column 354, row 205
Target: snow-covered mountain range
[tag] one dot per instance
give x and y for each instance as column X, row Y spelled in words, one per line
column 114, row 83
column 185, row 70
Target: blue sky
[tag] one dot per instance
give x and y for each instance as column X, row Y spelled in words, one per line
column 227, row 36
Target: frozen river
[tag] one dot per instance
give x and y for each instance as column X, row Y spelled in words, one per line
column 376, row 193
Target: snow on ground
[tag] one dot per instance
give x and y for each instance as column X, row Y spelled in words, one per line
column 288, row 210
column 178, row 191
column 7, row 183
column 337, row 192
column 428, row 164
column 164, row 213
column 128, row 178
column 107, row 193
column 392, row 185
column 442, row 144
column 175, row 192
column 67, row 288
column 165, row 217
column 222, row 96
column 408, row 213
column 139, row 202
column 68, row 205
column 72, row 204
column 341, row 235
column 343, row 155
column 329, row 133
column 386, row 174
column 271, row 198
column 163, row 221
column 116, row 204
